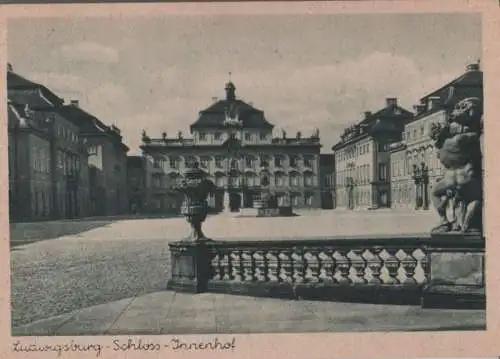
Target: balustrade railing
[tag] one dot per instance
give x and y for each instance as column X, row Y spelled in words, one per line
column 373, row 269
column 330, row 261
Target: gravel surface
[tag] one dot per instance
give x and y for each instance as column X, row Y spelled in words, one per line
column 61, row 275
column 117, row 260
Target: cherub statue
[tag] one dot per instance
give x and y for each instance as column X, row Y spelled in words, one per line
column 459, row 150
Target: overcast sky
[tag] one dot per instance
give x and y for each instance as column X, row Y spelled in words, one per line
column 303, row 71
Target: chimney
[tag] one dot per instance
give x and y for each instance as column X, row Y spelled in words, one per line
column 367, row 114
column 420, row 108
column 472, row 67
column 391, row 102
column 433, row 102
column 75, row 103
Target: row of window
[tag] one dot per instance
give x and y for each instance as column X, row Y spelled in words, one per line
column 41, row 202
column 68, row 162
column 404, row 166
column 279, row 180
column 221, row 161
column 67, row 133
column 361, row 198
column 359, row 174
column 355, row 151
column 41, row 159
column 218, row 136
column 295, row 199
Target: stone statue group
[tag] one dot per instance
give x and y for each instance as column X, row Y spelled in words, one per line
column 458, row 146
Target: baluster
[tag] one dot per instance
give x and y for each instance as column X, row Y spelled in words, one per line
column 342, row 265
column 247, row 265
column 236, row 265
column 359, row 265
column 215, row 264
column 375, row 265
column 298, row 265
column 225, row 266
column 272, row 266
column 260, row 265
column 312, row 265
column 409, row 264
column 424, row 263
column 326, row 266
column 392, row 265
column 285, row 274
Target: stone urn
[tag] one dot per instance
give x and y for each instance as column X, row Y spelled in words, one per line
column 195, row 188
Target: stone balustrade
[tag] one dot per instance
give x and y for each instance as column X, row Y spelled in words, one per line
column 370, row 269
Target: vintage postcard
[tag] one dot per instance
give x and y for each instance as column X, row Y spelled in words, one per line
column 240, row 179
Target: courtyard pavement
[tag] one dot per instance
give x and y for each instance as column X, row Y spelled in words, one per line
column 124, row 259
column 174, row 313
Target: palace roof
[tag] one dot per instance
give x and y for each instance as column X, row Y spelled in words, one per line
column 24, row 91
column 215, row 116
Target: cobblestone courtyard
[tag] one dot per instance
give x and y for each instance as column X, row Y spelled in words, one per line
column 128, row 258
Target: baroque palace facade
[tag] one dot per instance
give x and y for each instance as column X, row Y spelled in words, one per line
column 415, row 167
column 63, row 162
column 233, row 143
column 362, row 159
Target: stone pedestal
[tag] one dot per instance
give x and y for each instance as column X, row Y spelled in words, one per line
column 456, row 276
column 190, row 266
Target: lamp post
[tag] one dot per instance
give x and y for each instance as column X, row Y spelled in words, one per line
column 421, row 179
column 350, row 186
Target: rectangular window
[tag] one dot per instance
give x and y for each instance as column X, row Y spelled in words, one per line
column 308, row 199
column 218, row 136
column 204, row 162
column 308, row 162
column 278, row 161
column 249, row 162
column 263, row 136
column 174, row 162
column 293, row 161
column 219, row 161
column 203, row 136
column 382, row 171
column 248, row 136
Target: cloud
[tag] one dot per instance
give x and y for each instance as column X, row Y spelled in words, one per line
column 329, row 97
column 108, row 100
column 89, row 52
column 62, row 84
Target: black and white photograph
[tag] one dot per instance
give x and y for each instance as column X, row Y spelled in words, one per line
column 246, row 173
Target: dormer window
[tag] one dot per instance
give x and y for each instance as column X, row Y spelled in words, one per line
column 218, row 136
column 202, row 136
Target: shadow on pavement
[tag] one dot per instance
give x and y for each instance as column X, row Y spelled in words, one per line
column 31, row 232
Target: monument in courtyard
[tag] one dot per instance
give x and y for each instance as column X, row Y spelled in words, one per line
column 196, row 188
column 456, row 249
column 458, row 144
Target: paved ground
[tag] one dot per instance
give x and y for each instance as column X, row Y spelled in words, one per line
column 130, row 258
column 174, row 313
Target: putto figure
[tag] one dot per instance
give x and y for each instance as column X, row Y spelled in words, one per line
column 458, row 144
column 196, row 189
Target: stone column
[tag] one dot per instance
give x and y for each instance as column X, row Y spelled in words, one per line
column 417, row 185
column 425, row 189
column 226, row 201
